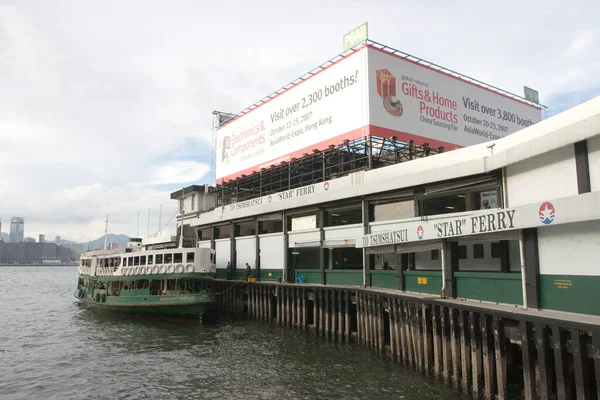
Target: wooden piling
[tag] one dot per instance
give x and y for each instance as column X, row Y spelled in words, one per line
column 454, row 346
column 528, row 353
column 465, row 351
column 500, row 355
column 347, row 316
column 487, row 356
column 582, row 386
column 476, row 363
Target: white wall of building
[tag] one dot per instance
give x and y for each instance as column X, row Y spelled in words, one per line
column 271, row 251
column 222, row 249
column 205, row 244
column 594, row 160
column 245, row 251
column 544, row 177
column 343, row 232
column 570, row 249
column 303, row 236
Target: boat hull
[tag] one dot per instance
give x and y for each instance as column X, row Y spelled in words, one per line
column 193, row 306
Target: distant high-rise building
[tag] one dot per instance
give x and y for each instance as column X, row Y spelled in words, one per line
column 17, row 229
column 29, row 240
column 41, row 238
column 57, row 240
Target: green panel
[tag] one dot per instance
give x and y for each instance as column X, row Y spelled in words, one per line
column 431, row 281
column 270, row 274
column 490, row 286
column 221, row 273
column 309, row 275
column 573, row 293
column 384, row 279
column 350, row 277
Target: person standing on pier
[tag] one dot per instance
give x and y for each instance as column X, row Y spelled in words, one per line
column 229, row 271
column 248, row 271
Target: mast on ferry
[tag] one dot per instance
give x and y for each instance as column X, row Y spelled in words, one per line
column 105, row 231
column 181, row 210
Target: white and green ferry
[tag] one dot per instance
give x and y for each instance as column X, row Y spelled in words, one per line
column 149, row 277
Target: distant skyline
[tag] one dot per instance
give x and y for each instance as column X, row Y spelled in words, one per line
column 106, row 107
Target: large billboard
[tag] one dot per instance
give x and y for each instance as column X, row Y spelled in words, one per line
column 325, row 109
column 369, row 92
column 413, row 101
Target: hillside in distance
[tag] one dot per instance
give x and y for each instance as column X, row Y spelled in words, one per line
column 99, row 243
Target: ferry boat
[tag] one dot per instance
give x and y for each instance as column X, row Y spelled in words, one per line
column 153, row 277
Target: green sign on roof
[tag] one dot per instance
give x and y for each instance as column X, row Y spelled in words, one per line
column 356, row 36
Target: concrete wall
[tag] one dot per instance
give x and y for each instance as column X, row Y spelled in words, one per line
column 570, row 249
column 222, row 247
column 246, row 251
column 271, row 251
column 544, row 177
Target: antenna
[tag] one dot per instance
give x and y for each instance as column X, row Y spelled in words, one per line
column 105, row 232
column 160, row 220
column 182, row 212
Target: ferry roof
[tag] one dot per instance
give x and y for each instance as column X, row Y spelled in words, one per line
column 571, row 126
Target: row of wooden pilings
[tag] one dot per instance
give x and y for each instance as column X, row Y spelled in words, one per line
column 482, row 351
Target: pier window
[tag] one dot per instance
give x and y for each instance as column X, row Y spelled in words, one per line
column 159, row 258
column 478, row 251
column 204, row 234
column 177, row 258
column 247, row 229
column 304, row 222
column 347, row 215
column 474, row 194
column 190, row 257
column 150, row 260
column 223, row 232
column 391, row 209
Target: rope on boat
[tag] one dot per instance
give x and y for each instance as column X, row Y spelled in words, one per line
column 231, row 287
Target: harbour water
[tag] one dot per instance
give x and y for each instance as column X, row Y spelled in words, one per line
column 52, row 348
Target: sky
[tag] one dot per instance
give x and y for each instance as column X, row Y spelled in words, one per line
column 106, row 106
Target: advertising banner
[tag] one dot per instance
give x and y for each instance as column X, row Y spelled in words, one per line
column 325, row 109
column 412, row 101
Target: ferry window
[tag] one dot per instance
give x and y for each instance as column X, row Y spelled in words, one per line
column 170, row 284
column 462, row 252
column 136, row 260
column 142, row 284
column 159, row 258
column 177, row 257
column 130, row 261
column 435, row 254
column 142, row 260
column 478, row 251
column 190, row 257
column 168, row 258
column 124, row 262
column 149, row 260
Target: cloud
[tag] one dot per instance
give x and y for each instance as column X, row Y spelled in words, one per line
column 106, row 107
column 176, row 172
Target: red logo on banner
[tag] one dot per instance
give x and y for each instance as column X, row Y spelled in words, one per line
column 386, row 89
